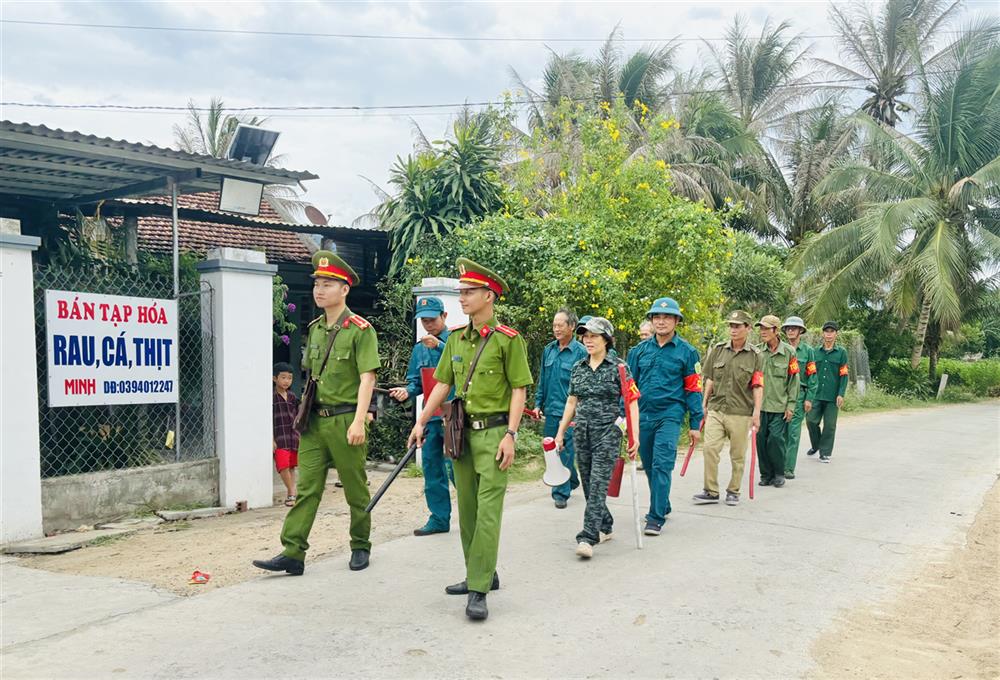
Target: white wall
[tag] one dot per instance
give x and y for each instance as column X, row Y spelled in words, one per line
column 20, row 464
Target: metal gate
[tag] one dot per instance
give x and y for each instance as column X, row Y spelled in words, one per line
column 79, row 439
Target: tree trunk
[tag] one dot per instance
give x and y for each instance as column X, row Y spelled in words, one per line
column 932, row 346
column 920, row 333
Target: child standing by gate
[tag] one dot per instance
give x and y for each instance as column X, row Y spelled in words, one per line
column 286, row 439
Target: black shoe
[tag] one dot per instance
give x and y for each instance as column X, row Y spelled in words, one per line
column 561, row 503
column 282, row 563
column 476, row 607
column 359, row 560
column 824, row 459
column 778, row 482
column 789, row 475
column 812, row 452
column 427, row 530
column 704, row 498
column 765, row 482
column 463, row 587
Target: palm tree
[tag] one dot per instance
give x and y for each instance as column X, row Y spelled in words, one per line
column 881, row 48
column 931, row 222
column 759, row 76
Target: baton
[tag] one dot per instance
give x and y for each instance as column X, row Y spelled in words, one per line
column 753, row 459
column 635, row 507
column 412, row 451
column 687, row 458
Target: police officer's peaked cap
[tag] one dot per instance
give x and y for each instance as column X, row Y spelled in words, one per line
column 768, row 321
column 328, row 265
column 665, row 305
column 794, row 322
column 831, row 325
column 429, row 308
column 474, row 275
column 739, row 316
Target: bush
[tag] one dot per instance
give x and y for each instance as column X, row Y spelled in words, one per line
column 900, row 379
column 875, row 398
column 977, row 377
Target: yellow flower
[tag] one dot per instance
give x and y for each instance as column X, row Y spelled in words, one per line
column 409, row 260
column 562, row 174
column 593, row 282
column 642, row 185
column 662, row 165
column 541, row 309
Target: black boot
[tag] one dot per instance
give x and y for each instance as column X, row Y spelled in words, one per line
column 359, row 560
column 463, row 587
column 476, row 607
column 282, row 563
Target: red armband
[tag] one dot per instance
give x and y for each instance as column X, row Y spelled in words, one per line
column 793, row 366
column 757, row 380
column 633, row 390
column 843, row 370
column 811, row 368
column 692, row 383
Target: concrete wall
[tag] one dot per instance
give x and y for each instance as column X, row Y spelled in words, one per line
column 74, row 500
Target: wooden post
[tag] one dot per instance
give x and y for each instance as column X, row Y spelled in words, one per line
column 942, row 385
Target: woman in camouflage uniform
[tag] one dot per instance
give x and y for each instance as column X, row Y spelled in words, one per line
column 595, row 402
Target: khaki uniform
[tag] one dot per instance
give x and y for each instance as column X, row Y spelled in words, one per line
column 734, row 375
column 781, row 389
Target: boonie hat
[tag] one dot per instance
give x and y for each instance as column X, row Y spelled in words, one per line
column 794, row 322
column 429, row 308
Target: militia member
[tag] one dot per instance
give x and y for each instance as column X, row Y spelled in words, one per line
column 734, row 393
column 781, row 390
column 558, row 359
column 494, row 403
column 794, row 329
column 595, row 392
column 342, row 357
column 645, row 330
column 437, row 469
column 665, row 368
column 831, row 385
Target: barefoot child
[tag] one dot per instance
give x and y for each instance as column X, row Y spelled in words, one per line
column 286, row 439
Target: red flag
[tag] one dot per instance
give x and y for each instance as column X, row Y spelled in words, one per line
column 428, row 382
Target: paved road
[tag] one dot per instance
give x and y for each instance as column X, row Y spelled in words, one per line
column 725, row 592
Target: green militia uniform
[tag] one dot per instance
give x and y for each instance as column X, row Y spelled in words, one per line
column 807, row 392
column 831, row 382
column 781, row 389
column 479, row 482
column 597, row 439
column 355, row 351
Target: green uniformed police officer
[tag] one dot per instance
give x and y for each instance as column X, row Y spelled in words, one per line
column 831, row 385
column 781, row 389
column 494, row 403
column 733, row 393
column 794, row 329
column 336, row 432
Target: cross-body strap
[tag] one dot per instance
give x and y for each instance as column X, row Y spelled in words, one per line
column 475, row 360
column 329, row 343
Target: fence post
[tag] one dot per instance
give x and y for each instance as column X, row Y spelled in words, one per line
column 242, row 318
column 20, row 457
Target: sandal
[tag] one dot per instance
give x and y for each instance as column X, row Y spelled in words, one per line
column 290, row 501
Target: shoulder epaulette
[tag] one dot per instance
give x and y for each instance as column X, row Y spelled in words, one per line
column 359, row 321
column 311, row 323
column 507, row 330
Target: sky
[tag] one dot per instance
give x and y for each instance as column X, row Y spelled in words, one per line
column 48, row 64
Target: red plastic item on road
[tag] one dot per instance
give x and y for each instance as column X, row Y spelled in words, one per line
column 753, row 460
column 615, row 485
column 199, row 577
column 687, row 458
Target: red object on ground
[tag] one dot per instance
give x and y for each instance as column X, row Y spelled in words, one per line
column 428, row 382
column 687, row 458
column 285, row 458
column 199, row 577
column 753, row 460
column 615, row 485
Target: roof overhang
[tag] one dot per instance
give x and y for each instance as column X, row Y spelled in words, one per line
column 71, row 168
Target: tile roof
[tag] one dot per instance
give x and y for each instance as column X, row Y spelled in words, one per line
column 209, row 202
column 155, row 235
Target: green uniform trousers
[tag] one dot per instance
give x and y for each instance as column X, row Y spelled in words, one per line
column 795, row 433
column 480, row 486
column 324, row 443
column 771, row 444
column 822, row 438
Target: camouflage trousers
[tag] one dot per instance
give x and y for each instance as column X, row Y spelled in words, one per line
column 597, row 447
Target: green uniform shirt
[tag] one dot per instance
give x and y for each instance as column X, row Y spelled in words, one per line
column 831, row 373
column 355, row 351
column 502, row 367
column 781, row 378
column 807, row 370
column 731, row 374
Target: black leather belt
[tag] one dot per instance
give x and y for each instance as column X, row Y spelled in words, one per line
column 327, row 411
column 486, row 422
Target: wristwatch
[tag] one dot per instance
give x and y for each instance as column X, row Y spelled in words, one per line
column 512, row 433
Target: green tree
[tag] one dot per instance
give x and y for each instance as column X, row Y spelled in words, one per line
column 930, row 226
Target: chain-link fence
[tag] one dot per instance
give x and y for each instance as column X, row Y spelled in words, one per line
column 78, row 439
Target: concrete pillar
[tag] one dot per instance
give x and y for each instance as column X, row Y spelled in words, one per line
column 131, row 224
column 20, row 458
column 241, row 322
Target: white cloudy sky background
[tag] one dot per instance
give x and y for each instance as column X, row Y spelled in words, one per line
column 70, row 65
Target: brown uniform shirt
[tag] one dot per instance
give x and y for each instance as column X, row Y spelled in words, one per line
column 733, row 375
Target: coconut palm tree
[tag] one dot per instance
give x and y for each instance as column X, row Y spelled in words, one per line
column 930, row 226
column 880, row 45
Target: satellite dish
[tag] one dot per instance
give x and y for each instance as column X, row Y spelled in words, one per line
column 315, row 216
column 251, row 144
